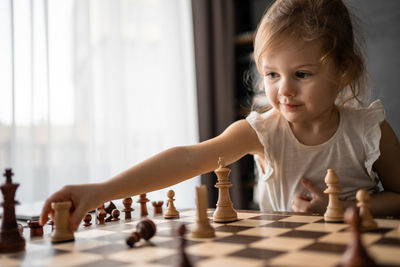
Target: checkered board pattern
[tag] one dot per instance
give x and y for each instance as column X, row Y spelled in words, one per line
column 256, row 239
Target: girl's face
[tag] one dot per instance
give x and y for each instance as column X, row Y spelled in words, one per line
column 298, row 84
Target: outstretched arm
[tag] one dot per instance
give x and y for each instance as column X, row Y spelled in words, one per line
column 162, row 170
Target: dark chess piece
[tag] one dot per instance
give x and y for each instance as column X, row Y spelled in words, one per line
column 143, row 205
column 127, row 208
column 115, row 215
column 101, row 215
column 87, row 220
column 157, row 207
column 111, row 206
column 51, row 223
column 355, row 255
column 184, row 260
column 10, row 236
column 36, row 228
column 145, row 229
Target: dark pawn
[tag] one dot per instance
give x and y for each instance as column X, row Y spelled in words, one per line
column 145, row 229
column 36, row 228
column 355, row 254
column 115, row 215
column 183, row 261
column 87, row 220
column 143, row 205
column 127, row 208
column 111, row 206
column 101, row 215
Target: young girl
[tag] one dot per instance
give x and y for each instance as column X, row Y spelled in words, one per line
column 313, row 76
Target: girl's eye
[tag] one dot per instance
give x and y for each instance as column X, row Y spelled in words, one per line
column 302, row 75
column 271, row 75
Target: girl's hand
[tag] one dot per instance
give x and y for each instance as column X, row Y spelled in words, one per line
column 317, row 203
column 83, row 197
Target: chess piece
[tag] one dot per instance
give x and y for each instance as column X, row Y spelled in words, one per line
column 101, row 215
column 334, row 211
column 157, row 205
column 367, row 221
column 62, row 231
column 115, row 215
column 87, row 220
column 127, row 208
column 36, row 228
column 111, row 206
column 171, row 212
column 11, row 239
column 143, row 205
column 51, row 223
column 202, row 227
column 355, row 255
column 21, row 229
column 184, row 260
column 224, row 211
column 145, row 229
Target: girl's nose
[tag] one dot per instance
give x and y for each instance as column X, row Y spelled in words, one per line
column 286, row 88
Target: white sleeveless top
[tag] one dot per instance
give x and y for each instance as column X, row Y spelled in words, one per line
column 351, row 152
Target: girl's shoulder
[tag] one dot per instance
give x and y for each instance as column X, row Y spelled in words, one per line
column 369, row 116
column 261, row 118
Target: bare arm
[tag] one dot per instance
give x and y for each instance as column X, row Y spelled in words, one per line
column 164, row 169
column 387, row 166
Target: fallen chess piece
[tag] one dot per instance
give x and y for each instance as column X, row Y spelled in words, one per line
column 36, row 228
column 145, row 229
column 355, row 255
column 115, row 215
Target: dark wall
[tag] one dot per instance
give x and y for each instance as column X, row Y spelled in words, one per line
column 381, row 27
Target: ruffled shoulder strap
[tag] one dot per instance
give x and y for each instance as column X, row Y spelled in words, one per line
column 373, row 117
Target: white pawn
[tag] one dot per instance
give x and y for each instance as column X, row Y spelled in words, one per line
column 202, row 227
column 334, row 211
column 62, row 232
column 367, row 221
column 171, row 213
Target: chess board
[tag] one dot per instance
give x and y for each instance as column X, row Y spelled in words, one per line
column 256, row 239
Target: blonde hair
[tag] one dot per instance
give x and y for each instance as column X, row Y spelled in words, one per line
column 326, row 21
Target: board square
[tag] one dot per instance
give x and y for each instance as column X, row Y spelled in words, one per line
column 306, row 259
column 269, row 217
column 231, row 228
column 326, row 247
column 282, row 243
column 303, row 234
column 257, row 253
column 281, row 224
column 239, row 239
column 265, row 231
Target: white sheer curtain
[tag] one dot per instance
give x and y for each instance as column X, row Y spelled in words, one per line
column 89, row 88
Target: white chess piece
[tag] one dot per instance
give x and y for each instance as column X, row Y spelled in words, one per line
column 367, row 221
column 224, row 211
column 62, row 231
column 202, row 227
column 334, row 211
column 171, row 212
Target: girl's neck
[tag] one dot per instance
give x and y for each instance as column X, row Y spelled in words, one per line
column 319, row 131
